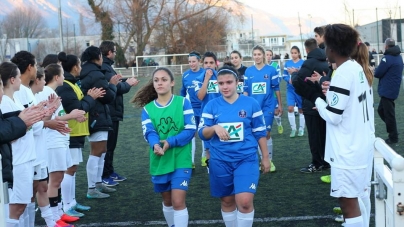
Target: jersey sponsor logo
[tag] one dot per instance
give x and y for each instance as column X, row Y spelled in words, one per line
column 213, row 87
column 362, row 77
column 235, row 130
column 240, row 86
column 184, row 184
column 253, row 186
column 334, row 100
column 259, row 88
column 61, row 113
column 166, row 125
column 242, row 114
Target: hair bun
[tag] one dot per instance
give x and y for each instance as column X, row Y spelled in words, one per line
column 62, row 56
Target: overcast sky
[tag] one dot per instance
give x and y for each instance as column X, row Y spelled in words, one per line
column 332, row 10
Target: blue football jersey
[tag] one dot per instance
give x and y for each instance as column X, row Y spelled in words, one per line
column 290, row 64
column 261, row 85
column 212, row 90
column 244, row 122
column 189, row 84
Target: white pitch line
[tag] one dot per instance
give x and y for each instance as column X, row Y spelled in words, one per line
column 204, row 222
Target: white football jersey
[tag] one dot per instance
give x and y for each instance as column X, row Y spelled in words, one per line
column 54, row 139
column 24, row 147
column 349, row 115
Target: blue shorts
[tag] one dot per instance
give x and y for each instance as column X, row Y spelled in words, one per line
column 179, row 179
column 269, row 118
column 293, row 98
column 229, row 178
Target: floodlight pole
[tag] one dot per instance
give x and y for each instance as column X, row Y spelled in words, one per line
column 60, row 28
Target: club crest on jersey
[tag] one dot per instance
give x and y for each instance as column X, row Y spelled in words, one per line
column 240, row 86
column 259, row 88
column 242, row 114
column 235, row 130
column 266, row 76
column 334, row 100
column 213, row 87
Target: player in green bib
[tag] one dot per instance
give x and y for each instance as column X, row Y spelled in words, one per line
column 168, row 124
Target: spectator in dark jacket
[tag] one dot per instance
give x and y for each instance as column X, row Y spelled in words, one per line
column 316, row 61
column 389, row 72
column 73, row 98
column 100, row 121
column 116, row 108
column 371, row 58
column 319, row 36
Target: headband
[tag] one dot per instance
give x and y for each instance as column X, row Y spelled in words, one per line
column 196, row 55
column 227, row 70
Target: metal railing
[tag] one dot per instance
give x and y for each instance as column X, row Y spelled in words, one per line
column 388, row 185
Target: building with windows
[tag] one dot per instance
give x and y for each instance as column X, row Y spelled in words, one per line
column 377, row 32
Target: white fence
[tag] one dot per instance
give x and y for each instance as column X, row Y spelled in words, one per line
column 389, row 186
column 144, row 71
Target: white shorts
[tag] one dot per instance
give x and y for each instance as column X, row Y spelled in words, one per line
column 77, row 155
column 98, row 136
column 348, row 183
column 40, row 173
column 22, row 190
column 59, row 159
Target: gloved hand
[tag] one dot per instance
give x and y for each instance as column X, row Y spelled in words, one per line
column 308, row 90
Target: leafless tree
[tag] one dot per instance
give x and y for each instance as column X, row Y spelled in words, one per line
column 143, row 20
column 23, row 23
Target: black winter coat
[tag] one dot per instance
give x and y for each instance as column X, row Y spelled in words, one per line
column 92, row 76
column 316, row 61
column 116, row 107
column 71, row 102
column 11, row 128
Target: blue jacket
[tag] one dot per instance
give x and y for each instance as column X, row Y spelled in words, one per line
column 389, row 73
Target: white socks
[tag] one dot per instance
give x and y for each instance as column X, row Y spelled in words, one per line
column 292, row 120
column 100, row 167
column 73, row 191
column 12, row 223
column 181, row 218
column 31, row 215
column 168, row 215
column 67, row 197
column 230, row 218
column 365, row 206
column 278, row 120
column 178, row 218
column 245, row 220
column 60, row 209
column 193, row 150
column 354, row 222
column 92, row 170
column 270, row 148
column 46, row 214
column 302, row 121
